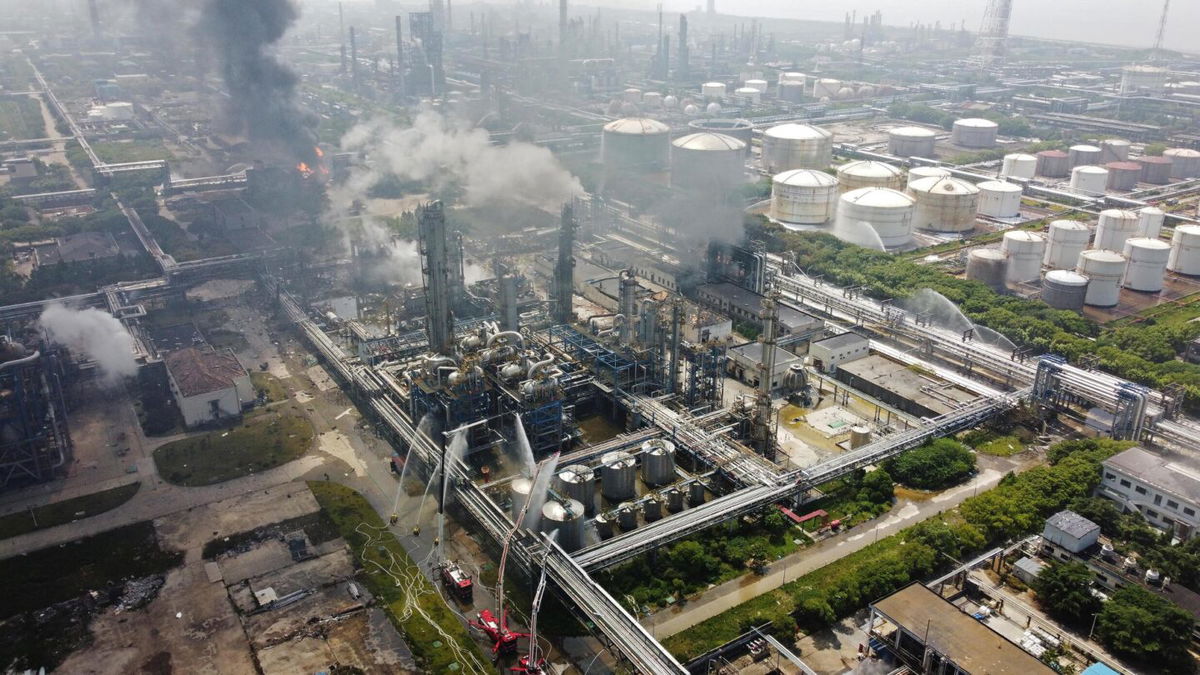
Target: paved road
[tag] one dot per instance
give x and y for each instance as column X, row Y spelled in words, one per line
column 713, row 601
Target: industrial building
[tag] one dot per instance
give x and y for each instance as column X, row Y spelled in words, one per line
column 1164, row 490
column 209, row 385
column 746, row 364
column 831, row 352
column 745, row 305
column 902, row 387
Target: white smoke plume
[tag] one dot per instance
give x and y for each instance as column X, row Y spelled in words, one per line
column 441, row 151
column 401, row 263
column 95, row 333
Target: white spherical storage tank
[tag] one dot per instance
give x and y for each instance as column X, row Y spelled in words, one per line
column 1064, row 289
column 1066, row 240
column 1019, row 165
column 708, row 162
column 944, row 204
column 796, row 146
column 1150, row 221
column 1114, row 228
column 866, row 173
column 911, row 141
column 1104, row 270
column 1147, row 263
column 918, row 172
column 803, row 197
column 1089, row 180
column 1025, row 251
column 1185, row 250
column 974, row 132
column 713, row 90
column 889, row 212
column 999, row 199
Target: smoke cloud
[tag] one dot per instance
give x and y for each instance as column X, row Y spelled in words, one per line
column 262, row 91
column 442, row 151
column 392, row 260
column 95, row 333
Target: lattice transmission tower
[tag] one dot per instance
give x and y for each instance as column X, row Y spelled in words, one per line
column 992, row 46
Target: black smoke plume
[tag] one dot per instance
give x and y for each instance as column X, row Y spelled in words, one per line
column 262, row 91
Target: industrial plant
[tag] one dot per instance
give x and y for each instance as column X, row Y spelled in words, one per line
column 387, row 337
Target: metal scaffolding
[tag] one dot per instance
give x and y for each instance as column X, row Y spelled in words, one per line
column 33, row 420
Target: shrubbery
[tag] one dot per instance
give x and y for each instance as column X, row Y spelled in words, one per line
column 938, row 464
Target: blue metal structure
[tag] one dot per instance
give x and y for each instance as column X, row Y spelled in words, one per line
column 34, row 443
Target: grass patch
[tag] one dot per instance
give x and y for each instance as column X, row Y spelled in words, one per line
column 66, row 511
column 262, row 442
column 21, row 118
column 319, row 527
column 1002, row 446
column 428, row 620
column 131, row 151
column 269, row 386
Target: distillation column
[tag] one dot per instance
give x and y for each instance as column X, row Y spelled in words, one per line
column 435, row 267
column 564, row 270
column 762, row 426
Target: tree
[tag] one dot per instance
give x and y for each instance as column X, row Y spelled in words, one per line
column 774, row 521
column 876, row 487
column 1139, row 624
column 690, row 557
column 933, row 466
column 1065, row 592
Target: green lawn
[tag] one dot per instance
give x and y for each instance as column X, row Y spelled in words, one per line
column 1002, row 446
column 261, row 442
column 131, row 151
column 21, row 118
column 437, row 638
column 66, row 511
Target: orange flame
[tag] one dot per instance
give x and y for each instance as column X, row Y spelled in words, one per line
column 304, row 169
column 318, row 151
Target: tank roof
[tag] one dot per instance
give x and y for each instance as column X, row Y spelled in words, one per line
column 878, row 197
column 976, row 122
column 793, row 131
column 869, row 168
column 1065, row 224
column 1083, row 147
column 1088, row 168
column 1118, row 213
column 944, row 185
column 1022, row 235
column 709, row 140
column 1123, row 166
column 1182, row 152
column 1147, row 242
column 636, row 125
column 805, row 178
column 988, row 253
column 1067, row 277
column 1101, row 255
column 999, row 186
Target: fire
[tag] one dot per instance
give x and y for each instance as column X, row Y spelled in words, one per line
column 304, row 169
column 318, row 151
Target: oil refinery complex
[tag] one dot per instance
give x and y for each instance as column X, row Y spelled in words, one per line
column 607, row 283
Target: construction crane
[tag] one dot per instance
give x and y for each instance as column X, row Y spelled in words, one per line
column 992, row 45
column 1162, row 29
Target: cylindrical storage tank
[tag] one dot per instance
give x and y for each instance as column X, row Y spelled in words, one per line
column 760, row 85
column 652, row 99
column 944, row 204
column 713, row 90
column 519, row 489
column 826, row 88
column 652, row 510
column 1123, row 175
column 1066, row 240
column 1079, row 155
column 566, row 517
column 889, row 212
column 674, row 500
column 974, row 132
column 658, row 462
column 635, row 144
column 1104, row 270
column 860, row 435
column 1150, row 221
column 792, row 92
column 627, row 516
column 1114, row 228
column 803, row 196
column 708, row 162
column 867, row 173
column 696, row 494
column 1025, row 251
column 618, row 473
column 1144, row 79
column 1185, row 250
column 796, row 146
column 604, row 527
column 918, row 172
column 1185, row 162
column 1019, row 165
column 999, row 199
column 632, row 95
column 1114, row 150
column 1064, row 289
column 911, row 141
column 578, row 482
column 1089, row 180
column 792, row 76
column 1147, row 263
column 1155, row 170
column 748, row 95
column 1053, row 164
column 743, row 130
column 988, row 266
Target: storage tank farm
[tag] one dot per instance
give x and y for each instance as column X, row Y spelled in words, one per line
column 803, row 197
column 866, row 173
column 889, row 212
column 1104, row 270
column 911, row 142
column 1114, row 228
column 578, row 482
column 999, row 199
column 708, row 162
column 974, row 132
column 988, row 266
column 1150, row 221
column 1146, row 264
column 944, row 204
column 1019, row 165
column 1065, row 240
column 796, row 146
column 1025, row 251
column 1185, row 250
column 1089, row 180
column 918, row 172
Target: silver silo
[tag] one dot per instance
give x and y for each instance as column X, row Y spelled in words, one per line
column 658, row 462
column 520, row 489
column 652, row 510
column 578, row 482
column 627, row 516
column 696, row 494
column 567, row 517
column 674, row 500
column 618, row 472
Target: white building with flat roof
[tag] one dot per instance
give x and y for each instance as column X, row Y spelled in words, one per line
column 1164, row 488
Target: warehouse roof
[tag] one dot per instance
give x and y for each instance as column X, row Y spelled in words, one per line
column 197, row 372
column 1179, row 477
column 839, row 341
column 1072, row 523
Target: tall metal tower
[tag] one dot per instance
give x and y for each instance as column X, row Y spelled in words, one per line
column 564, row 271
column 991, row 47
column 1162, row 30
column 435, row 266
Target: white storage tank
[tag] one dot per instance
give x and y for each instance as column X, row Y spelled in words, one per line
column 999, row 199
column 1066, row 240
column 1104, row 270
column 712, row 90
column 632, row 95
column 1064, row 289
column 1080, row 155
column 988, row 266
column 1089, row 180
column 1185, row 250
column 519, row 491
column 748, row 95
column 1019, row 165
column 974, row 132
column 1115, row 226
column 708, row 162
column 867, row 173
column 578, row 482
column 618, row 473
column 918, row 172
column 1114, row 150
column 792, row 92
column 566, row 517
column 658, row 462
column 635, row 144
column 1150, row 221
column 1185, row 162
column 760, row 85
column 944, row 204
column 826, row 88
column 1147, row 263
column 792, row 76
column 911, row 141
column 796, row 146
column 803, row 197
column 743, row 130
column 1025, row 251
column 889, row 212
